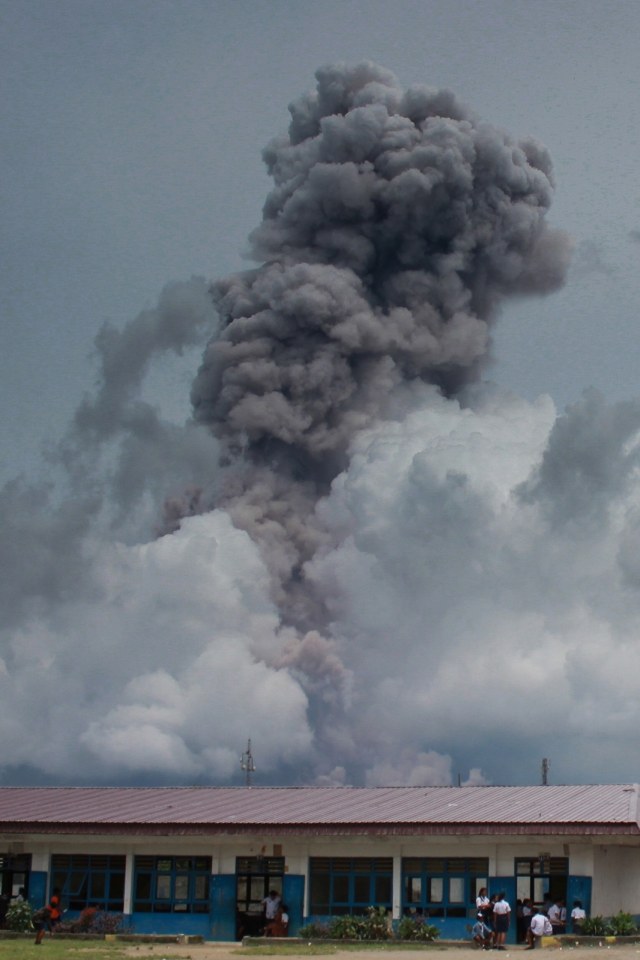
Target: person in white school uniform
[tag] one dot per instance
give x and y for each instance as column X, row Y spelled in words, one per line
column 482, row 900
column 539, row 927
column 578, row 916
column 501, row 918
column 484, row 906
column 558, row 916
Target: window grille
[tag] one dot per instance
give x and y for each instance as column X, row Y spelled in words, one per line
column 89, row 880
column 341, row 885
column 171, row 884
column 442, row 886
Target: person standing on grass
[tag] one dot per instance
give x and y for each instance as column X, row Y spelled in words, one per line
column 42, row 922
column 49, row 917
column 55, row 906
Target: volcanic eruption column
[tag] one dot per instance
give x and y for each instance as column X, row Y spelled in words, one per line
column 397, row 223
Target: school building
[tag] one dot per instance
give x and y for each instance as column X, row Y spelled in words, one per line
column 199, row 860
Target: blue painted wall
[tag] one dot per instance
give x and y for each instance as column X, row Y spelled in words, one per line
column 220, row 922
column 196, row 924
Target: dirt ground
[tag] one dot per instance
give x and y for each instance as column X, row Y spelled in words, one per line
column 235, row 951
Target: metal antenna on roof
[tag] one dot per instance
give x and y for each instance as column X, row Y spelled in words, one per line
column 247, row 764
column 545, row 771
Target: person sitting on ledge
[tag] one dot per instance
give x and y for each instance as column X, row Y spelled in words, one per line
column 539, row 927
column 482, row 933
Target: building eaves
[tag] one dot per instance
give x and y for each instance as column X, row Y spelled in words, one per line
column 13, row 829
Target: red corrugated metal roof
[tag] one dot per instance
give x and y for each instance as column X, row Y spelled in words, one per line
column 320, row 806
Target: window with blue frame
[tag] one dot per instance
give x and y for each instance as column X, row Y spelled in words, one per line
column 89, row 879
column 542, row 877
column 171, row 884
column 442, row 886
column 340, row 885
column 15, row 869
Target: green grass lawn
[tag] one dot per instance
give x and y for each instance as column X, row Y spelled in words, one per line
column 65, row 950
column 298, row 949
column 282, row 950
column 53, row 949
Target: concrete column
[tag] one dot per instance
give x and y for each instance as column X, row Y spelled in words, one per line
column 396, row 894
column 128, row 883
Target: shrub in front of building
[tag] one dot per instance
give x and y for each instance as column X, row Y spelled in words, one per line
column 19, row 916
column 622, row 925
column 415, row 928
column 95, row 921
column 109, row 923
column 314, row 931
column 594, row 927
column 374, row 924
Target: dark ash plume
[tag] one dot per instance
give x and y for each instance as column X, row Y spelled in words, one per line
column 397, row 224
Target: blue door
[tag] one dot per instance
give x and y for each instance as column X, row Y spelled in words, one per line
column 578, row 888
column 508, row 885
column 293, row 896
column 223, row 906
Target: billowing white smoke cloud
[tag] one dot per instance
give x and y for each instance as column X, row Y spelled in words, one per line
column 483, row 622
column 164, row 665
column 392, row 575
column 486, row 587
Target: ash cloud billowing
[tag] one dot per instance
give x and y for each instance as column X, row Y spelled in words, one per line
column 397, row 225
column 378, row 567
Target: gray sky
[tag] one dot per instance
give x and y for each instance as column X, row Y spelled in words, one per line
column 132, row 158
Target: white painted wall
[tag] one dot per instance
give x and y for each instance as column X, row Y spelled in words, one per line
column 616, row 880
